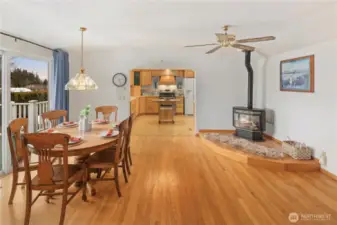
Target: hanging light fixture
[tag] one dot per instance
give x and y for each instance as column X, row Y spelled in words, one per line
column 81, row 82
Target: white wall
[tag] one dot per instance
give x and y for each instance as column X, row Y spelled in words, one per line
column 221, row 81
column 306, row 117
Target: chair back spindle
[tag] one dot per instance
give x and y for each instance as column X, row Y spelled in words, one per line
column 106, row 111
column 54, row 117
column 42, row 144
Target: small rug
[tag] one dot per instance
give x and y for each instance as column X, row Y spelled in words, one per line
column 245, row 145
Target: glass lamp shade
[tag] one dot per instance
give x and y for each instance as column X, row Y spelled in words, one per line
column 81, row 82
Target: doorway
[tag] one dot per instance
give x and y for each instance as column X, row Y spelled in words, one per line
column 147, row 86
column 24, row 85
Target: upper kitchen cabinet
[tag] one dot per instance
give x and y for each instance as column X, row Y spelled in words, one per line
column 132, row 78
column 145, row 78
column 135, row 78
column 157, row 73
column 189, row 74
column 178, row 73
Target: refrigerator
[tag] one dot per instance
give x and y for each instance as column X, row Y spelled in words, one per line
column 189, row 95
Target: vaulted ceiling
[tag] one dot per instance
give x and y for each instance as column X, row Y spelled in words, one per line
column 130, row 23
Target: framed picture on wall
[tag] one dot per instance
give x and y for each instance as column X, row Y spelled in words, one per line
column 297, row 74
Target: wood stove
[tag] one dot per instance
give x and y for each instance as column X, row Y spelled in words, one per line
column 249, row 122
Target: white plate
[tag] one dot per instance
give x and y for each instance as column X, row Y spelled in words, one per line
column 114, row 134
column 75, row 142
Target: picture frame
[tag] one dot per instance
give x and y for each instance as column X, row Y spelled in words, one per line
column 297, row 74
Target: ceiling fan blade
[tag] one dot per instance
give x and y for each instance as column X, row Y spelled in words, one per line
column 188, row 46
column 214, row 49
column 243, row 47
column 258, row 39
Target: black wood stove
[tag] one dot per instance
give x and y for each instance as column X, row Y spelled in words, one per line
column 249, row 122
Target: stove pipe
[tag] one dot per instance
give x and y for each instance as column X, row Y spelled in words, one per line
column 250, row 79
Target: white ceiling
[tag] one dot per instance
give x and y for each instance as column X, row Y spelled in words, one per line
column 143, row 23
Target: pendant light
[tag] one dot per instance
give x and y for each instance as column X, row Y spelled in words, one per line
column 81, row 82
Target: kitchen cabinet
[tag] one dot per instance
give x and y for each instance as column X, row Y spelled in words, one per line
column 137, row 107
column 157, row 73
column 180, row 105
column 145, row 78
column 136, row 78
column 132, row 78
column 189, row 74
column 178, row 73
column 134, row 107
column 151, row 106
column 142, row 105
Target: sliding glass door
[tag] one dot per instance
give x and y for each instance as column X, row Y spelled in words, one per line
column 1, row 112
column 4, row 112
column 24, row 94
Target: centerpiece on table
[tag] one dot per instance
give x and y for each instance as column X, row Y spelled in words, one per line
column 84, row 123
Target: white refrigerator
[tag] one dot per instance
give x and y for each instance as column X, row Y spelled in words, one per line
column 189, row 95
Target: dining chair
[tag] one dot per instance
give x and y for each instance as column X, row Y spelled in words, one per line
column 51, row 180
column 107, row 111
column 15, row 130
column 109, row 159
column 128, row 157
column 54, row 117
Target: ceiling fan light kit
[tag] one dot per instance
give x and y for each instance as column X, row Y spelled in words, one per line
column 81, row 82
column 226, row 40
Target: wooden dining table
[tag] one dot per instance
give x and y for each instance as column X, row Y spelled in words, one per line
column 92, row 141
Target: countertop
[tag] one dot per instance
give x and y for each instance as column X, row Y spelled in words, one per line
column 166, row 100
column 148, row 96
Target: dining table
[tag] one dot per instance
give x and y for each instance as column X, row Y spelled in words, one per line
column 92, row 142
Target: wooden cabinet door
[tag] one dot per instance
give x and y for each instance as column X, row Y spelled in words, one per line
column 151, row 107
column 142, row 105
column 145, row 78
column 133, row 107
column 180, row 106
column 189, row 74
column 131, row 78
column 137, row 107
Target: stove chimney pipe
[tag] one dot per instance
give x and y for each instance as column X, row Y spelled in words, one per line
column 250, row 79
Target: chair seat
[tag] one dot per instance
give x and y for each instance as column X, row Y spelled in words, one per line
column 75, row 173
column 102, row 159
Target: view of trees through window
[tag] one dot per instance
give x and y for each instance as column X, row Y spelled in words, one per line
column 29, row 79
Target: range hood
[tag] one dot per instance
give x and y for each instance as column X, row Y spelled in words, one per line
column 167, row 80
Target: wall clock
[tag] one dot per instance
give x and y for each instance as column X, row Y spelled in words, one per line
column 119, row 79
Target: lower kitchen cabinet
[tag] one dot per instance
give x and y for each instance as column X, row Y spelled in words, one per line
column 180, row 105
column 151, row 106
column 145, row 105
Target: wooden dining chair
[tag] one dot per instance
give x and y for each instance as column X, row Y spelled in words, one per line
column 15, row 130
column 128, row 157
column 51, row 180
column 110, row 159
column 54, row 117
column 106, row 111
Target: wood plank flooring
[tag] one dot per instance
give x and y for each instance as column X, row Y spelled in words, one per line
column 176, row 180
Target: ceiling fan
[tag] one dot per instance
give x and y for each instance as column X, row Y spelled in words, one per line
column 229, row 40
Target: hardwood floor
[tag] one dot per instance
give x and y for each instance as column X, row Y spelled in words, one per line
column 176, row 180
